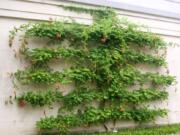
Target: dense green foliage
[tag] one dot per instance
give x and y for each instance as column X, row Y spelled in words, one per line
column 83, row 96
column 128, row 75
column 104, row 70
column 41, row 98
column 43, row 55
column 93, row 115
column 50, row 77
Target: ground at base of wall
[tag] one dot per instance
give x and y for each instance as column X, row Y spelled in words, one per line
column 173, row 129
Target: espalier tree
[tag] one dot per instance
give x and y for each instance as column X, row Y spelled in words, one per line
column 108, row 85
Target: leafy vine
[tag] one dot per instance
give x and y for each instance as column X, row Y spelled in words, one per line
column 105, row 56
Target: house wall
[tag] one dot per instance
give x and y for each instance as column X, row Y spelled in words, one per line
column 18, row 121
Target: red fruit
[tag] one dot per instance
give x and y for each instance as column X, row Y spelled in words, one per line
column 22, row 103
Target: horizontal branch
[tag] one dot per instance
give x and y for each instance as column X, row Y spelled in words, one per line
column 50, row 77
column 93, row 116
column 41, row 56
column 125, row 76
column 84, row 96
column 105, row 31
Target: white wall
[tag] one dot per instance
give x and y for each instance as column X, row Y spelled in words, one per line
column 18, row 121
column 165, row 5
